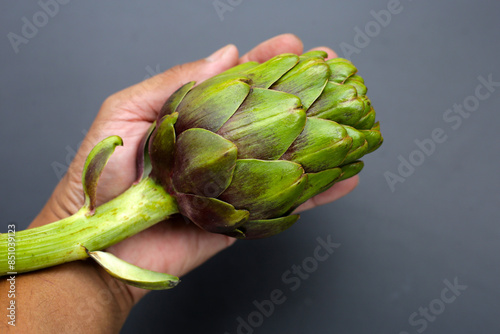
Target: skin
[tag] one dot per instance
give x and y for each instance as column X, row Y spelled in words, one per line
column 79, row 296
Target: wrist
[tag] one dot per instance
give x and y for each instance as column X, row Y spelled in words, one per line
column 70, row 297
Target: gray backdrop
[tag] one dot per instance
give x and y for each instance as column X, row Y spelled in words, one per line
column 419, row 238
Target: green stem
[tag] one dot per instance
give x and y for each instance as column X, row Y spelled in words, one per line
column 138, row 208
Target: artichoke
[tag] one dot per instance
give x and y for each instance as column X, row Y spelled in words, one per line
column 234, row 155
column 243, row 149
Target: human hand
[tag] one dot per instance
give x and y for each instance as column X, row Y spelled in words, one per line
column 174, row 247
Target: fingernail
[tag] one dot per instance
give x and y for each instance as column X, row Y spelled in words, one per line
column 218, row 54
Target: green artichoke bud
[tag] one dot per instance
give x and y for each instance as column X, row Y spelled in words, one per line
column 243, row 149
column 234, row 155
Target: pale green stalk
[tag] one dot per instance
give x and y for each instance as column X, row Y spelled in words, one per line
column 69, row 239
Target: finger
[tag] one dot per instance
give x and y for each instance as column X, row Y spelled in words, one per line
column 286, row 43
column 337, row 191
column 330, row 52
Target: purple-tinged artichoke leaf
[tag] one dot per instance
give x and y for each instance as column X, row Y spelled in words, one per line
column 373, row 137
column 322, row 145
column 143, row 163
column 338, row 103
column 357, row 82
column 313, row 54
column 341, row 69
column 359, row 145
column 366, row 122
column 204, row 163
column 265, row 125
column 94, row 165
column 263, row 228
column 350, row 170
column 174, row 100
column 317, row 183
column 210, row 104
column 211, row 214
column 267, row 189
column 264, row 75
column 306, row 80
column 376, row 146
column 162, row 147
column 238, row 69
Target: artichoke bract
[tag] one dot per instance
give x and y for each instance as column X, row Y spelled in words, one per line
column 243, row 149
column 235, row 155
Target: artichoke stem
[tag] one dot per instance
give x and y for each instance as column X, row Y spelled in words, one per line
column 138, row 208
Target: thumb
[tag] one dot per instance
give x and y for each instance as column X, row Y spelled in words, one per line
column 148, row 96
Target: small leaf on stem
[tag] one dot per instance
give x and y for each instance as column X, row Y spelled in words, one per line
column 94, row 165
column 133, row 275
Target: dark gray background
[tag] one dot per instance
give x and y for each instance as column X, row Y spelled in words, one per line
column 397, row 247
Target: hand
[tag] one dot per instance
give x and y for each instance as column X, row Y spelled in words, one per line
column 173, row 247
